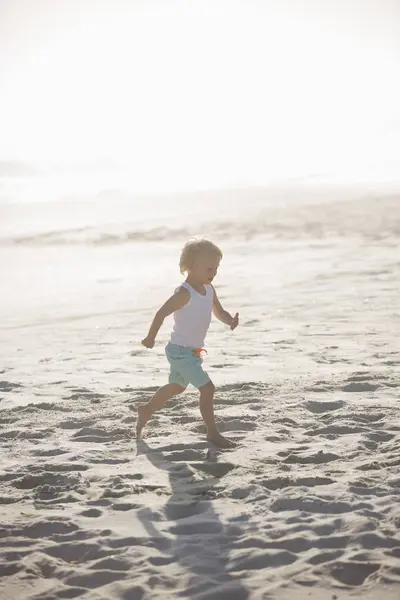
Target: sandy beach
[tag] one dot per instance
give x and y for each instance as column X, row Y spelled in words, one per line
column 306, row 506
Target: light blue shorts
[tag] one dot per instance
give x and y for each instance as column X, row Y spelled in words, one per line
column 186, row 367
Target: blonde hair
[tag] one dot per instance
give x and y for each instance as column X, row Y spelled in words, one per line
column 193, row 248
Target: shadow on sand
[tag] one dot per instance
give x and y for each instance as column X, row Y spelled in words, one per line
column 199, row 541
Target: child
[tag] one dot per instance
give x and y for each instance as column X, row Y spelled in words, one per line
column 192, row 305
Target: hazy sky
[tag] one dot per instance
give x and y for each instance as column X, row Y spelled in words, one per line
column 190, row 93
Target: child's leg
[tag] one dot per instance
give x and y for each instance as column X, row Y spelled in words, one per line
column 162, row 395
column 207, row 412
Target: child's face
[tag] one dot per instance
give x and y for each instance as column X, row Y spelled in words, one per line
column 205, row 268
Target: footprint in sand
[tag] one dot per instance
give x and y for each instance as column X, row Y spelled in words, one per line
column 175, row 511
column 64, row 467
column 286, row 421
column 380, row 436
column 91, row 512
column 96, row 579
column 316, row 505
column 179, row 446
column 10, row 569
column 318, row 458
column 360, row 387
column 112, row 564
column 8, row 386
column 320, row 386
column 84, row 393
column 73, row 424
column 75, row 551
column 100, row 436
column 52, row 487
column 219, row 469
column 278, row 483
column 324, row 557
column 318, row 407
column 366, row 418
column 187, row 454
column 232, row 424
column 353, row 573
column 109, row 461
column 23, row 434
column 125, row 506
column 56, row 407
column 48, row 452
column 337, row 430
column 367, row 382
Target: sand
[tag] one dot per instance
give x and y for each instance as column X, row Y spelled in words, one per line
column 308, row 503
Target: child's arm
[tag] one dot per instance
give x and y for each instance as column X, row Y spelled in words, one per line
column 177, row 301
column 222, row 314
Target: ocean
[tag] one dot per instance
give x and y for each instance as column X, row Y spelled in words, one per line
column 89, row 276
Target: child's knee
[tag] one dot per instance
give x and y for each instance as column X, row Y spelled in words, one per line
column 208, row 389
column 178, row 389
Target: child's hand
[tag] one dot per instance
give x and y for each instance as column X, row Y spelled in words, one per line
column 148, row 342
column 235, row 321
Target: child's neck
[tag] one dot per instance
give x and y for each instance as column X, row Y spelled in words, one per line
column 198, row 286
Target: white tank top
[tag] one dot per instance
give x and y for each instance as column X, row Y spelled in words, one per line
column 191, row 322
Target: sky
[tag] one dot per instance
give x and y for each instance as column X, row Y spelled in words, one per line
column 201, row 93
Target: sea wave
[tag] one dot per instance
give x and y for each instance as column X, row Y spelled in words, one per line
column 372, row 219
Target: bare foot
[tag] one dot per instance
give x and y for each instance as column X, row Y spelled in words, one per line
column 220, row 440
column 143, row 415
